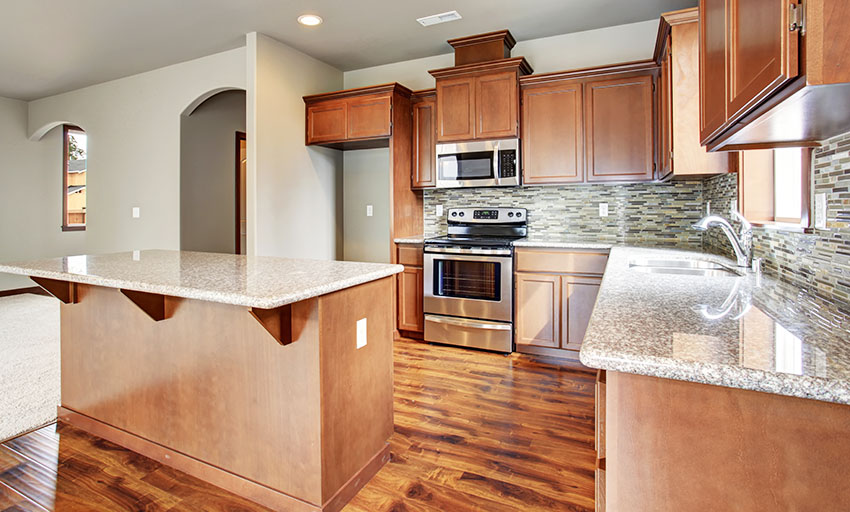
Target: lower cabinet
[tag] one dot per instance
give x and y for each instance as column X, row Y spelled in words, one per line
column 555, row 295
column 410, row 316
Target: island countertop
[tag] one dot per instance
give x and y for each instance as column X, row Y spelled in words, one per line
column 742, row 332
column 252, row 281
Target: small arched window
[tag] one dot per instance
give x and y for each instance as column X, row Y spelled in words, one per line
column 74, row 166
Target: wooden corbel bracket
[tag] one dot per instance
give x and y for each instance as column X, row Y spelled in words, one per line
column 65, row 291
column 153, row 304
column 277, row 321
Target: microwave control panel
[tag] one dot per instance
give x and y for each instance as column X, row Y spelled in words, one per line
column 507, row 163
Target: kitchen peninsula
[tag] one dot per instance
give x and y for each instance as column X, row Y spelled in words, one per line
column 269, row 377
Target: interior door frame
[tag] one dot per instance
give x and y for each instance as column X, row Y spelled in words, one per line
column 240, row 136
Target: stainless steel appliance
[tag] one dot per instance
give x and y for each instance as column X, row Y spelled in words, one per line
column 492, row 163
column 469, row 278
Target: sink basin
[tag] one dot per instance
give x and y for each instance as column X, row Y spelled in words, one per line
column 691, row 267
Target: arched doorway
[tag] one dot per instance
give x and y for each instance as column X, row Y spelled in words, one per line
column 212, row 191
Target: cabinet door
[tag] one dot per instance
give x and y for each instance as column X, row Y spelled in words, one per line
column 496, row 105
column 578, row 297
column 618, row 128
column 410, row 294
column 455, row 109
column 538, row 315
column 712, row 67
column 665, row 113
column 326, row 121
column 552, row 140
column 369, row 117
column 424, row 143
column 762, row 52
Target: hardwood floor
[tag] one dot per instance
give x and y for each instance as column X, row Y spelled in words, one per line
column 473, row 431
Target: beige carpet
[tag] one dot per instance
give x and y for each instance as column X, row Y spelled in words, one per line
column 29, row 362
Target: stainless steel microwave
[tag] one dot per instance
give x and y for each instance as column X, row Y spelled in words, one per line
column 490, row 163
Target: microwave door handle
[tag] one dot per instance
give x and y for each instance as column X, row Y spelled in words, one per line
column 472, row 324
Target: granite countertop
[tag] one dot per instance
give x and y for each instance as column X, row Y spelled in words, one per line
column 745, row 332
column 261, row 282
column 410, row 240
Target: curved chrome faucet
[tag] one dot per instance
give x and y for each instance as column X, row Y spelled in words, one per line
column 742, row 244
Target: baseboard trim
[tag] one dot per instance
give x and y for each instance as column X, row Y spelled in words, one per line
column 562, row 353
column 36, row 290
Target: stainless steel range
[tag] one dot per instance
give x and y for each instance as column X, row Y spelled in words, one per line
column 469, row 278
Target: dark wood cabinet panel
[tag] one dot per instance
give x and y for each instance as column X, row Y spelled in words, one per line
column 665, row 112
column 424, row 143
column 579, row 297
column 496, row 100
column 326, row 121
column 538, row 318
column 456, row 109
column 619, row 129
column 369, row 116
column 762, row 51
column 712, row 65
column 410, row 295
column 552, row 140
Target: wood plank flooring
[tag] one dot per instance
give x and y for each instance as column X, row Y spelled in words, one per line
column 473, row 431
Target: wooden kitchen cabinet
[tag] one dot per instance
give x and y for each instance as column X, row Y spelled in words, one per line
column 679, row 148
column 326, row 121
column 352, row 119
column 369, row 116
column 479, row 101
column 555, row 295
column 619, row 129
column 552, row 133
column 773, row 73
column 424, row 140
column 410, row 292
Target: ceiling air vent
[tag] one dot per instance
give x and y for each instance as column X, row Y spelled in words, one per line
column 435, row 19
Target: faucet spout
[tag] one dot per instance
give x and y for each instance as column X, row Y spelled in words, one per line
column 742, row 244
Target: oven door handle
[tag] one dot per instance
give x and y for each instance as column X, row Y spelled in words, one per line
column 463, row 322
column 459, row 250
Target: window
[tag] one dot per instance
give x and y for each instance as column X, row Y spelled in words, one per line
column 774, row 187
column 74, row 147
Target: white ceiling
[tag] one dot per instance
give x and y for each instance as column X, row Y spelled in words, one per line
column 53, row 46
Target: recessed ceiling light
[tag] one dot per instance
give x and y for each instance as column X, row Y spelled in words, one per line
column 311, row 20
column 434, row 19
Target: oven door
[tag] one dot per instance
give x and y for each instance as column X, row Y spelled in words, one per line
column 469, row 283
column 471, row 164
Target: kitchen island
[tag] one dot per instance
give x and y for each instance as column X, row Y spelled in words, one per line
column 269, row 377
column 718, row 391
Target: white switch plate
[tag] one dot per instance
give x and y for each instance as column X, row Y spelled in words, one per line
column 136, row 212
column 708, row 207
column 361, row 333
column 439, row 210
column 603, row 209
column 137, row 255
column 820, row 211
column 369, row 210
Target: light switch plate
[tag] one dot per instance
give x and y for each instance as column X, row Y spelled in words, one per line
column 136, row 212
column 603, row 209
column 137, row 255
column 820, row 211
column 361, row 333
column 439, row 210
column 369, row 210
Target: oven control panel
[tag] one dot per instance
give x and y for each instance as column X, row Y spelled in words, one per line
column 487, row 215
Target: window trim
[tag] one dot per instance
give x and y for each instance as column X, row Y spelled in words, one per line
column 805, row 223
column 65, row 169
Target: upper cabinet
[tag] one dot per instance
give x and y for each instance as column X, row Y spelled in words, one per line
column 424, row 105
column 479, row 101
column 679, row 131
column 773, row 72
column 552, row 132
column 355, row 118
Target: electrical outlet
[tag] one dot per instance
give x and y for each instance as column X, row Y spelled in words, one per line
column 603, row 209
column 136, row 212
column 820, row 211
column 137, row 255
column 369, row 210
column 361, row 333
column 439, row 210
column 708, row 207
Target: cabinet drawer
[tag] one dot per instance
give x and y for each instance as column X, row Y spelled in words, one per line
column 561, row 261
column 410, row 255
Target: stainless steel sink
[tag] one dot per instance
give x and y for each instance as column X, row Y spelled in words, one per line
column 689, row 267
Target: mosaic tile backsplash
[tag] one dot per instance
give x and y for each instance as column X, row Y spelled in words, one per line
column 818, row 263
column 656, row 214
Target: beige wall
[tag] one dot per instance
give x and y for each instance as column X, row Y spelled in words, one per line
column 208, row 173
column 367, row 181
column 31, row 209
column 610, row 45
column 294, row 192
